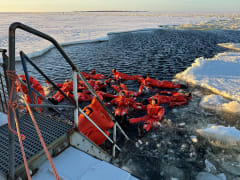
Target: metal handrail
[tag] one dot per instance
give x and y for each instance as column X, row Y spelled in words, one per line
column 11, row 67
column 25, row 57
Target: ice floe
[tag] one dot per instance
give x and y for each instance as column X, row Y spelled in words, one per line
column 220, row 104
column 219, row 74
column 221, row 136
column 234, row 46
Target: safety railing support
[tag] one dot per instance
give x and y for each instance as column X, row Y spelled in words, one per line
column 4, row 100
column 81, row 111
column 28, row 80
column 74, row 74
column 11, row 67
column 24, row 57
column 11, row 136
column 114, row 139
column 103, row 105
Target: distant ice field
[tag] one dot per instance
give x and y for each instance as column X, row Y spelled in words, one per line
column 78, row 26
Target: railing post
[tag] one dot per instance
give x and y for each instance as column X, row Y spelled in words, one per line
column 93, row 93
column 28, row 80
column 4, row 95
column 5, row 65
column 11, row 136
column 75, row 97
column 114, row 139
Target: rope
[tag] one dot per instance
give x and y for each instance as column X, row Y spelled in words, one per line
column 14, row 77
column 13, row 105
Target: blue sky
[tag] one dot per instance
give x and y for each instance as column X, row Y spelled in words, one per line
column 148, row 5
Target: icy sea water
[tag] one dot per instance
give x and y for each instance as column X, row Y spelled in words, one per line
column 167, row 151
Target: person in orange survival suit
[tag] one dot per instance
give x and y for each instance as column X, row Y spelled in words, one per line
column 173, row 98
column 123, row 106
column 82, row 96
column 92, row 75
column 150, row 82
column 154, row 113
column 97, row 113
column 66, row 87
column 35, row 85
column 123, row 77
column 123, row 87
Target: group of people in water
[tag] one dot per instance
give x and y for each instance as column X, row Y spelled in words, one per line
column 123, row 100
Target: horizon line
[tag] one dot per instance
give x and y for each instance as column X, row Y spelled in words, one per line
column 191, row 12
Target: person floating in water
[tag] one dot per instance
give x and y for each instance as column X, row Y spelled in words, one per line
column 155, row 113
column 171, row 98
column 123, row 77
column 66, row 87
column 123, row 106
column 92, row 75
column 35, row 85
column 97, row 113
column 148, row 84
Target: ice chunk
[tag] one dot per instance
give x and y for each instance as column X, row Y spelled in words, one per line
column 194, row 139
column 234, row 46
column 219, row 74
column 209, row 166
column 209, row 176
column 227, row 137
column 218, row 103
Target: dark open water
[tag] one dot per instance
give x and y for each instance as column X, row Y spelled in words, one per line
column 165, row 152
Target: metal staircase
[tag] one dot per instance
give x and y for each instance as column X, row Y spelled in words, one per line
column 57, row 134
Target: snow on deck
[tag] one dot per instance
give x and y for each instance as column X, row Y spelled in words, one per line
column 3, row 119
column 73, row 164
column 220, row 74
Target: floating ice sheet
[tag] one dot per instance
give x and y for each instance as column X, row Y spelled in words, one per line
column 219, row 74
column 227, row 137
column 218, row 103
column 234, row 46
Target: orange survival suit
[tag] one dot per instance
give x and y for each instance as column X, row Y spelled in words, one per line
column 173, row 98
column 35, row 85
column 150, row 82
column 97, row 113
column 123, row 88
column 124, row 77
column 154, row 113
column 93, row 75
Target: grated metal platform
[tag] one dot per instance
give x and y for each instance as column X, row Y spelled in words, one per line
column 51, row 130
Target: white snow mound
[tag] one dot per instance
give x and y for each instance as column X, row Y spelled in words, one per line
column 219, row 74
column 218, row 103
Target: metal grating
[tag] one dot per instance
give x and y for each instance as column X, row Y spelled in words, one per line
column 51, row 130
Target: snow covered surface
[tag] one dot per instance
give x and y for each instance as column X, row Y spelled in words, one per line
column 234, row 46
column 3, row 119
column 73, row 164
column 77, row 26
column 228, row 137
column 220, row 74
column 218, row 103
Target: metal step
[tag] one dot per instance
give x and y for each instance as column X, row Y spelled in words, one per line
column 51, row 130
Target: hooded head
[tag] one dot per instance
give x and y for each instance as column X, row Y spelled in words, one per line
column 121, row 93
column 154, row 101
